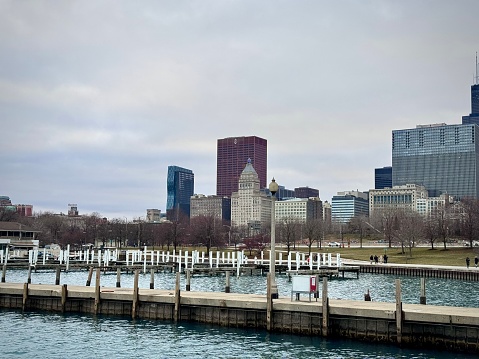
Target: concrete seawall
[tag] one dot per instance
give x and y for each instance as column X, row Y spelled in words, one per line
column 438, row 327
column 456, row 273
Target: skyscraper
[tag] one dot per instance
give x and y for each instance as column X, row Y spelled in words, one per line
column 180, row 187
column 232, row 154
column 474, row 116
column 443, row 158
column 250, row 207
column 383, row 177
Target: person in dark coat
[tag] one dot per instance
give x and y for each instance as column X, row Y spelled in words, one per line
column 467, row 262
column 476, row 261
column 371, row 258
column 385, row 258
column 376, row 259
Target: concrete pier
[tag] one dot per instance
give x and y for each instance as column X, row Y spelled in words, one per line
column 438, row 327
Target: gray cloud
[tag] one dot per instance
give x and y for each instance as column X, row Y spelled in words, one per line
column 98, row 98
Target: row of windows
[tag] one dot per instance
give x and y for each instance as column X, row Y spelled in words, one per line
column 387, row 199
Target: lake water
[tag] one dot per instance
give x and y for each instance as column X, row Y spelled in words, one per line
column 41, row 335
column 47, row 335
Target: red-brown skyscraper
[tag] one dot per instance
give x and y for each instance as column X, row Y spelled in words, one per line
column 232, row 155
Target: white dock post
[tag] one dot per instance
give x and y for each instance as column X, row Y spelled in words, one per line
column 324, row 259
column 262, row 257
column 223, row 257
column 229, row 257
column 211, row 259
column 202, row 257
column 280, row 258
column 238, row 265
column 157, row 258
column 329, row 260
column 186, row 260
column 338, row 260
column 68, row 258
column 144, row 263
column 318, row 263
column 44, row 255
column 297, row 261
column 152, row 257
column 179, row 262
column 311, row 261
column 30, row 257
column 217, row 259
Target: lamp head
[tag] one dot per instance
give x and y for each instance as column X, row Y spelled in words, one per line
column 273, row 187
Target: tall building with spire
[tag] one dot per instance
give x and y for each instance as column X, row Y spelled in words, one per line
column 250, row 207
column 474, row 115
column 232, row 154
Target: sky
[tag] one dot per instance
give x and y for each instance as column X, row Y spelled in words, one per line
column 98, row 98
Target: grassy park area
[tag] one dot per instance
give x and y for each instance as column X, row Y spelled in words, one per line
column 454, row 256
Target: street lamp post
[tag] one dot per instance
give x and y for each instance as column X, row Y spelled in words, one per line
column 273, row 188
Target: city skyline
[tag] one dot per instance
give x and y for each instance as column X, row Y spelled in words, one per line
column 95, row 114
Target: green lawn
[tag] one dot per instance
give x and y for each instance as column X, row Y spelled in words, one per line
column 455, row 256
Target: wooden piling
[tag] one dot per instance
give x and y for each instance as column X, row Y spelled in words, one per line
column 90, row 274
column 188, row 280
column 399, row 313
column 152, row 278
column 134, row 304
column 176, row 314
column 25, row 296
column 227, row 286
column 64, row 297
column 325, row 307
column 57, row 275
column 269, row 303
column 118, row 277
column 97, row 291
column 29, row 275
column 422, row 299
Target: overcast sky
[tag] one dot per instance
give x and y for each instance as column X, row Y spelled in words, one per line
column 98, row 98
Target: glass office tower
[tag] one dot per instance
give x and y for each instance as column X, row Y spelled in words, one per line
column 443, row 158
column 180, row 187
column 383, row 177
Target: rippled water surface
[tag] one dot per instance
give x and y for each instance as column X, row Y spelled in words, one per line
column 40, row 335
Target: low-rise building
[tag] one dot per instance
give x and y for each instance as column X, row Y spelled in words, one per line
column 217, row 206
column 411, row 197
column 302, row 209
column 348, row 204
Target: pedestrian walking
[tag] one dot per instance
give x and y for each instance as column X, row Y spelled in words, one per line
column 371, row 258
column 376, row 259
column 467, row 262
column 476, row 261
column 385, row 259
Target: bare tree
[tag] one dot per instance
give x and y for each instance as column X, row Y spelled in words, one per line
column 207, row 230
column 358, row 225
column 470, row 219
column 288, row 232
column 312, row 229
column 410, row 227
column 431, row 230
